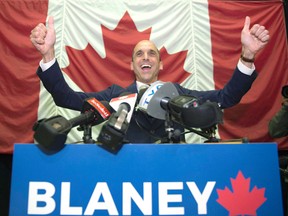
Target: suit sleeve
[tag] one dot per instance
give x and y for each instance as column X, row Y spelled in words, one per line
column 232, row 92
column 66, row 97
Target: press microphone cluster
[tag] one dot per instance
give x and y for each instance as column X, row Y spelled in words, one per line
column 186, row 110
column 162, row 101
column 51, row 133
column 111, row 136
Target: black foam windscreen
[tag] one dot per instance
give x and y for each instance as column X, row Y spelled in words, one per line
column 196, row 114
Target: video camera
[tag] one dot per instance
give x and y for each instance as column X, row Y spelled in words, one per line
column 285, row 91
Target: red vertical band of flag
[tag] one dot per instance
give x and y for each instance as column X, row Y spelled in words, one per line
column 250, row 118
column 19, row 89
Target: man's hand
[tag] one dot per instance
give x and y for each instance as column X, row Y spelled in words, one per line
column 285, row 101
column 44, row 39
column 254, row 39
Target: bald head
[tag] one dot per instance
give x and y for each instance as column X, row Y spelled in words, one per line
column 146, row 62
column 145, row 43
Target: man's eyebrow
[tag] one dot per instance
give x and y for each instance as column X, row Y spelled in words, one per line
column 150, row 51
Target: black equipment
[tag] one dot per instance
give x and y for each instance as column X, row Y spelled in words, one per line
column 51, row 133
column 168, row 105
column 111, row 136
column 284, row 91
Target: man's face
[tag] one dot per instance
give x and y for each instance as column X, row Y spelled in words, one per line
column 146, row 62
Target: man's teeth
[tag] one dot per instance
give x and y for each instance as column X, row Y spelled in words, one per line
column 146, row 66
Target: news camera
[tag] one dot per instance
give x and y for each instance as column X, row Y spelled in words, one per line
column 284, row 91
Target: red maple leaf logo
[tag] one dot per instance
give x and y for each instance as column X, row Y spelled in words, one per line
column 241, row 201
column 93, row 73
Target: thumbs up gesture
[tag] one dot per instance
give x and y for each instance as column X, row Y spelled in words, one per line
column 43, row 38
column 254, row 39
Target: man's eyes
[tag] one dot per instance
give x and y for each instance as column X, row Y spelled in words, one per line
column 151, row 53
column 139, row 54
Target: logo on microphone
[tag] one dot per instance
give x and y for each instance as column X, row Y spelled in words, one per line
column 103, row 111
column 129, row 99
column 149, row 93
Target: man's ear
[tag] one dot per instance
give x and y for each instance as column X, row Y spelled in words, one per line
column 160, row 65
column 131, row 66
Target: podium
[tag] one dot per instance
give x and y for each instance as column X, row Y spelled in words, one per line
column 147, row 179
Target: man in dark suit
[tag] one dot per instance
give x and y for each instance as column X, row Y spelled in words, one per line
column 277, row 128
column 146, row 64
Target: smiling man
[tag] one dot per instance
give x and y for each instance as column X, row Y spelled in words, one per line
column 146, row 64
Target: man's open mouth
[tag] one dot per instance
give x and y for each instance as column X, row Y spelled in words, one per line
column 145, row 66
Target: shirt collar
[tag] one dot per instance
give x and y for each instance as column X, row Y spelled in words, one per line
column 141, row 85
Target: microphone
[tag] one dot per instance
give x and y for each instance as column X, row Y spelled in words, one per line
column 186, row 110
column 114, row 130
column 98, row 111
column 51, row 133
column 151, row 104
column 146, row 95
column 124, row 104
column 141, row 92
column 190, row 112
column 155, row 96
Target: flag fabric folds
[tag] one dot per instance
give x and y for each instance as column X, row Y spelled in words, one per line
column 199, row 42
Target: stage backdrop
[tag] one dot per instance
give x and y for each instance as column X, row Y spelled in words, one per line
column 199, row 42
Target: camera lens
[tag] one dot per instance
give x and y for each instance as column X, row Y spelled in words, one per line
column 285, row 91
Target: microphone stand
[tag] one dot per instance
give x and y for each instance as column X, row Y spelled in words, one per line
column 173, row 136
column 87, row 133
column 169, row 127
column 209, row 134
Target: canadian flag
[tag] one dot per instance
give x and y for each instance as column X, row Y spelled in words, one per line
column 199, row 42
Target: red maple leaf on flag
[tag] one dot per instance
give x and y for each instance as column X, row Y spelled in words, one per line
column 93, row 73
column 241, row 201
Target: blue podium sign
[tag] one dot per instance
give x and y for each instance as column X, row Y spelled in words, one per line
column 147, row 179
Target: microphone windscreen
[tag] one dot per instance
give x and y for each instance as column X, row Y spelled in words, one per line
column 148, row 94
column 195, row 115
column 101, row 110
column 107, row 106
column 166, row 92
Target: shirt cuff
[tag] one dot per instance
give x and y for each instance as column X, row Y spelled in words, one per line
column 244, row 69
column 47, row 65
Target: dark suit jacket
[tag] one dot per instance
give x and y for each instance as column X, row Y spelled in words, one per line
column 142, row 128
column 278, row 125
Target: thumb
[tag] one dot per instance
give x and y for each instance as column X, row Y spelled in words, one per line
column 51, row 22
column 246, row 24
